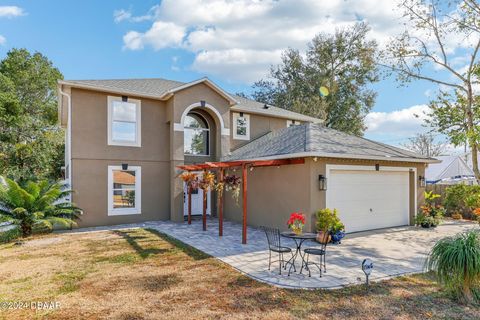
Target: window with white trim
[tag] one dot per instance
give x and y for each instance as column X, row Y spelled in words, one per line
column 124, row 121
column 241, row 126
column 293, row 123
column 124, row 190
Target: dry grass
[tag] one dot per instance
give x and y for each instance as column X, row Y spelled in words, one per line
column 140, row 274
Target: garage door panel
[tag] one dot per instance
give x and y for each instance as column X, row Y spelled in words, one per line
column 354, row 193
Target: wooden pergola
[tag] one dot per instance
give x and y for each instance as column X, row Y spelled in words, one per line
column 220, row 167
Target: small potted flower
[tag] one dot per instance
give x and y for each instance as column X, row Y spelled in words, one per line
column 296, row 222
column 338, row 232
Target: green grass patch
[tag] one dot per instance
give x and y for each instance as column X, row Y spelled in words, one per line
column 70, row 281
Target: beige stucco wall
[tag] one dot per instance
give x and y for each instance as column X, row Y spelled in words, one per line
column 259, row 126
column 274, row 193
column 91, row 156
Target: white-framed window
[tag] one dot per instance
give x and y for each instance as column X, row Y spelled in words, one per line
column 196, row 135
column 124, row 122
column 293, row 123
column 241, row 126
column 124, row 190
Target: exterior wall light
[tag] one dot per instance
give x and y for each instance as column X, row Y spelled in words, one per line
column 203, row 103
column 422, row 182
column 322, row 182
column 124, row 166
column 377, row 167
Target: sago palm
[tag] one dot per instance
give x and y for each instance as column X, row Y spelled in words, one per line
column 456, row 263
column 36, row 202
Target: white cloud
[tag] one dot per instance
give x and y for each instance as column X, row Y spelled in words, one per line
column 239, row 39
column 126, row 15
column 11, row 11
column 161, row 35
column 3, row 40
column 398, row 124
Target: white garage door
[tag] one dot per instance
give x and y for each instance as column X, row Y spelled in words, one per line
column 369, row 199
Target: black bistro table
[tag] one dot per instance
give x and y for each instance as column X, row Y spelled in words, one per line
column 299, row 240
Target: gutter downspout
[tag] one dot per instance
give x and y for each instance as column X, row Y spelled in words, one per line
column 69, row 134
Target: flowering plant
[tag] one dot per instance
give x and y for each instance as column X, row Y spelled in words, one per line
column 296, row 222
column 190, row 179
column 208, row 181
column 431, row 214
column 232, row 183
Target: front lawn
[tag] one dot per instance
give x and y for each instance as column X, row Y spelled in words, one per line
column 141, row 274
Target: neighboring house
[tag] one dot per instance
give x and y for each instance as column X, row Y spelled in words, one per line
column 452, row 170
column 126, row 138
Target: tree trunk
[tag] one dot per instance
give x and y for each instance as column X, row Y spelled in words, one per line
column 470, row 131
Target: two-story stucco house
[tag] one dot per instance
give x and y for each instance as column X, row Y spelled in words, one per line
column 126, row 138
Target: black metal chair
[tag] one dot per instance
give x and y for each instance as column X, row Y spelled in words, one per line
column 274, row 245
column 321, row 252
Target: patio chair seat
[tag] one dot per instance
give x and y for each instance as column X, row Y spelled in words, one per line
column 280, row 249
column 314, row 251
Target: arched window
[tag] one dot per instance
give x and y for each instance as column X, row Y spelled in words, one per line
column 196, row 135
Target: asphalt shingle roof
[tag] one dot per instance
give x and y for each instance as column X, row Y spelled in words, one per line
column 157, row 87
column 316, row 140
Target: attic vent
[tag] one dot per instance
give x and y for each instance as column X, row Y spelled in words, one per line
column 266, row 106
column 202, row 103
column 124, row 98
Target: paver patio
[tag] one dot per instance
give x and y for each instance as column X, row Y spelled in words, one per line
column 394, row 251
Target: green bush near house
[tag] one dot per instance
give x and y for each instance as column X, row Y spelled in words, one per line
column 462, row 199
column 456, row 263
column 37, row 206
column 10, row 234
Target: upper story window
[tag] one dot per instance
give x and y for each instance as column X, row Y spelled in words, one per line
column 124, row 124
column 124, row 190
column 241, row 126
column 196, row 135
column 293, row 123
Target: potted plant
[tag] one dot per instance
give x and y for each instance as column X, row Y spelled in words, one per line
column 338, row 232
column 296, row 222
column 232, row 183
column 324, row 224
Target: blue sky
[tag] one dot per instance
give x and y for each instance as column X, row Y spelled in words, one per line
column 232, row 43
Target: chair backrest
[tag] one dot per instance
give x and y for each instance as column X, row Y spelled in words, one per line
column 324, row 240
column 273, row 236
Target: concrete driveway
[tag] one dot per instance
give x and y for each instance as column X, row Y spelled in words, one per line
column 394, row 251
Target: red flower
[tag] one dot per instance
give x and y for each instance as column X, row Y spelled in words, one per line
column 296, row 217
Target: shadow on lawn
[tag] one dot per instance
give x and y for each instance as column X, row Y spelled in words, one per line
column 132, row 241
column 185, row 248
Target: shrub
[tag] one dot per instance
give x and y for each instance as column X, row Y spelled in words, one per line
column 457, row 216
column 462, row 198
column 34, row 202
column 431, row 214
column 42, row 226
column 456, row 263
column 10, row 234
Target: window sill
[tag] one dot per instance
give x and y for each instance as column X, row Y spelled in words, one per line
column 124, row 144
column 123, row 212
column 241, row 138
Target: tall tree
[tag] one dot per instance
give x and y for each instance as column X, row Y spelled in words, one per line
column 31, row 143
column 425, row 144
column 439, row 35
column 344, row 63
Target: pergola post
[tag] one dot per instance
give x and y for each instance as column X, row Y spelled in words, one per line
column 220, row 205
column 189, row 191
column 244, row 187
column 204, row 216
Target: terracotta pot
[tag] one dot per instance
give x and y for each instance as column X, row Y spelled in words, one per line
column 322, row 237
